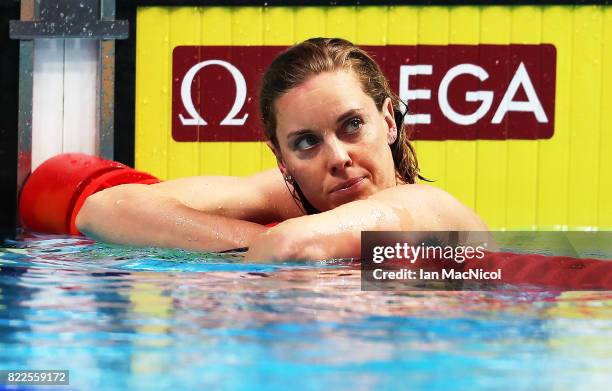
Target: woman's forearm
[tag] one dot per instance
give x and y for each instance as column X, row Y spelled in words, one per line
column 140, row 216
column 333, row 234
column 337, row 233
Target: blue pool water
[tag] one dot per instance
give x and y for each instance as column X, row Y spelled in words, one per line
column 125, row 318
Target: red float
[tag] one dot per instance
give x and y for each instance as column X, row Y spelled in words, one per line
column 55, row 192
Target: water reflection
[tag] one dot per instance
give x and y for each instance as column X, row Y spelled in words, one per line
column 73, row 303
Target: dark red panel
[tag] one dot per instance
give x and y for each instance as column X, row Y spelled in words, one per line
column 447, row 76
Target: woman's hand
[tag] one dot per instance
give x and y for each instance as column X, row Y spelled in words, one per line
column 329, row 235
column 268, row 246
column 285, row 242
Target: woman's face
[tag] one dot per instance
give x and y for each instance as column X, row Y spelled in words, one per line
column 334, row 141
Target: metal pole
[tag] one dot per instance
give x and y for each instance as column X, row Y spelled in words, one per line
column 78, row 21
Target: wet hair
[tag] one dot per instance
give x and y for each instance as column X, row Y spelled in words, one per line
column 319, row 55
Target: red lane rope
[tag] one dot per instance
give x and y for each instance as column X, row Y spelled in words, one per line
column 549, row 271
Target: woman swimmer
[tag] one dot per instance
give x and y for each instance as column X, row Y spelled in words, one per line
column 345, row 162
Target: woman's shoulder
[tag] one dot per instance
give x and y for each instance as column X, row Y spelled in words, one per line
column 415, row 192
column 415, row 196
column 432, row 206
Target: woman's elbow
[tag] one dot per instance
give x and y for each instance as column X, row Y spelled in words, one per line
column 83, row 219
column 99, row 206
column 93, row 207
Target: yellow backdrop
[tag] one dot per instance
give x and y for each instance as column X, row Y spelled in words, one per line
column 561, row 183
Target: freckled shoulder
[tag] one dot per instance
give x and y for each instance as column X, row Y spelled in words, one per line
column 427, row 207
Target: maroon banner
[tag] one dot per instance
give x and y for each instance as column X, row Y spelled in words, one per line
column 452, row 92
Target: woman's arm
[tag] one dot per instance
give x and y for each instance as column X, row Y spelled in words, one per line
column 199, row 213
column 337, row 233
column 261, row 198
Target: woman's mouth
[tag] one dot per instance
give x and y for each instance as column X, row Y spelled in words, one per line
column 349, row 186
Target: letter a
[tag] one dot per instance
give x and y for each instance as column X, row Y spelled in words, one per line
column 521, row 78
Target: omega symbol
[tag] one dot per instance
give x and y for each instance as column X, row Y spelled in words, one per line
column 195, row 118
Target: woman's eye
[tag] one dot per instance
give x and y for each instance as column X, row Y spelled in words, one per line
column 305, row 142
column 353, row 125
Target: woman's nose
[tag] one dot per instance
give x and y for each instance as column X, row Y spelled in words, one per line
column 338, row 156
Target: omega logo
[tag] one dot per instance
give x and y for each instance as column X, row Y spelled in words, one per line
column 452, row 92
column 194, row 117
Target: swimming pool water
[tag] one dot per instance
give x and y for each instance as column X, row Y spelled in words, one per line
column 126, row 318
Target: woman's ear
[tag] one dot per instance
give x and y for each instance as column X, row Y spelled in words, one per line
column 279, row 158
column 389, row 118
